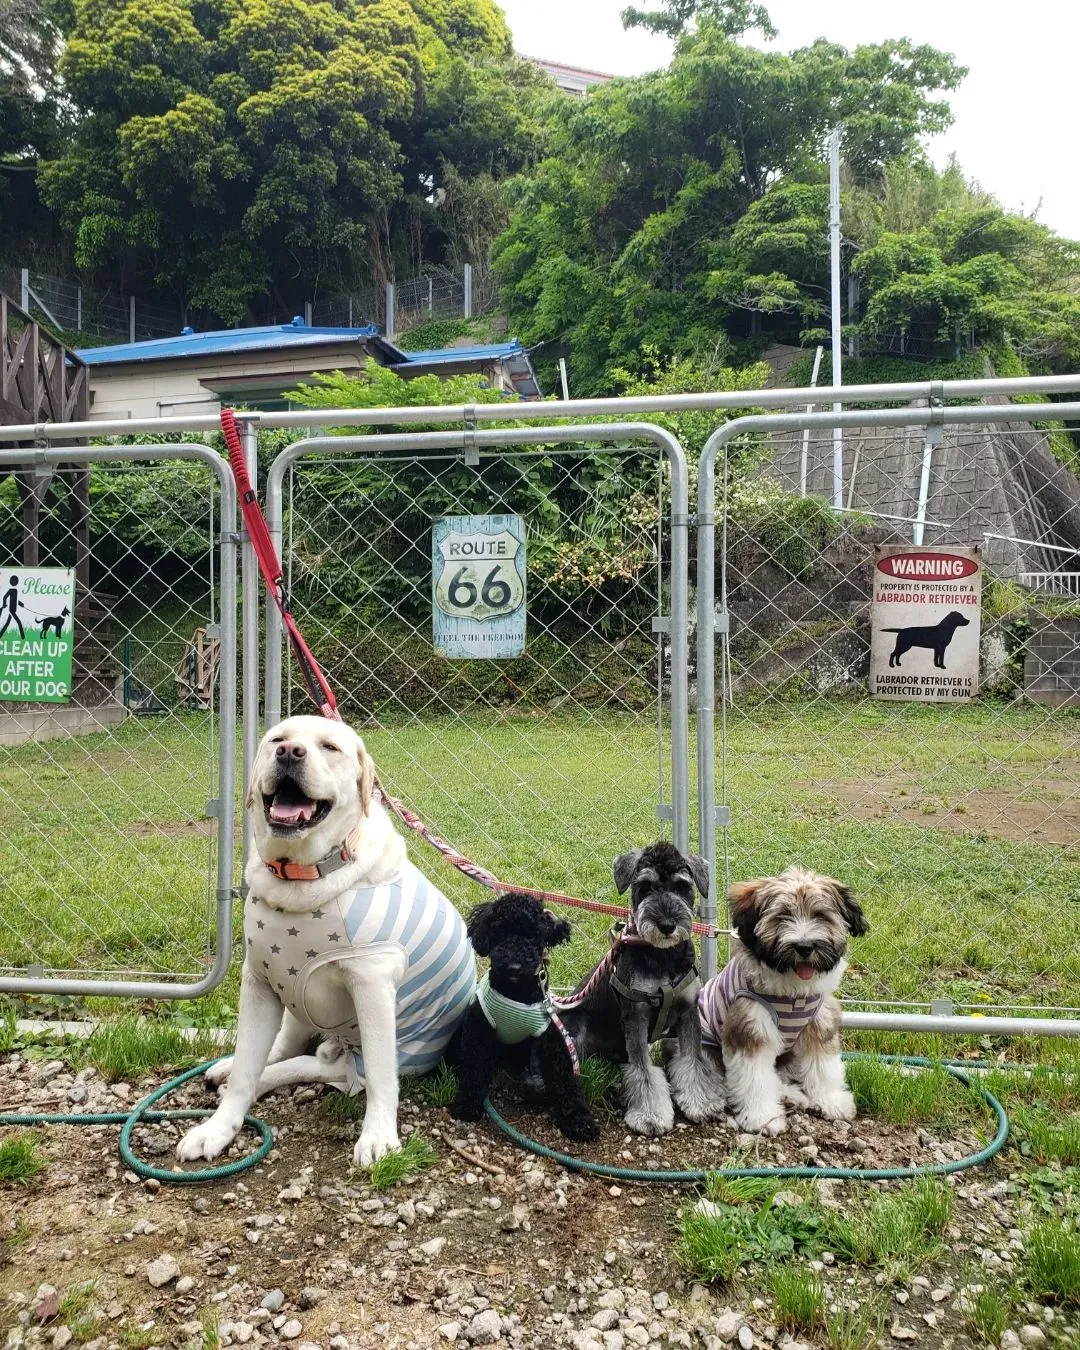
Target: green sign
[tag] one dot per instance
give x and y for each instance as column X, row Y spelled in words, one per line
column 37, row 634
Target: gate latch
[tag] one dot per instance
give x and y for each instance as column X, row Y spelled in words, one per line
column 472, row 452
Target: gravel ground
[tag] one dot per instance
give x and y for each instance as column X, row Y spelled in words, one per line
column 497, row 1249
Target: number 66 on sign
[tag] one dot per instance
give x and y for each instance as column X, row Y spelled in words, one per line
column 478, row 584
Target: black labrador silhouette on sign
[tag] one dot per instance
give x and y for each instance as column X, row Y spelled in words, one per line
column 10, row 604
column 55, row 622
column 937, row 637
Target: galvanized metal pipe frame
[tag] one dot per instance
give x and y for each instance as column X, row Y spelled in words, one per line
column 226, row 798
column 416, row 443
column 251, row 587
column 708, row 628
column 532, row 412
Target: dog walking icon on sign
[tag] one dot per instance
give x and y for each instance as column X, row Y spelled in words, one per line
column 924, row 634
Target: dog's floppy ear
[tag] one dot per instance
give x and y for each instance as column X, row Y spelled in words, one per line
column 553, row 930
column 249, row 800
column 851, row 910
column 699, row 870
column 480, row 927
column 743, row 898
column 365, row 783
column 626, row 864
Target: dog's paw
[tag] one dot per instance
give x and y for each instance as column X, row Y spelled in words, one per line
column 836, row 1106
column 793, row 1095
column 217, row 1075
column 582, row 1128
column 757, row 1121
column 655, row 1122
column 376, row 1140
column 207, row 1140
column 699, row 1110
column 466, row 1110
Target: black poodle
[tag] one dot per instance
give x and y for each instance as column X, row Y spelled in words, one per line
column 512, row 1011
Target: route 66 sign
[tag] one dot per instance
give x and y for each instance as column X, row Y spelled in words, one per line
column 478, row 582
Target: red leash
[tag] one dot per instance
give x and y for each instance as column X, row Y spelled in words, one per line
column 320, row 693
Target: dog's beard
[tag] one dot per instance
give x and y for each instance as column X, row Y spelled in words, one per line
column 648, row 918
column 822, row 958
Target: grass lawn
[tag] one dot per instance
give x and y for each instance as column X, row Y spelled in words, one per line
column 952, row 825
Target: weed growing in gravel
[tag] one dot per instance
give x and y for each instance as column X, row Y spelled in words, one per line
column 20, row 1160
column 340, row 1108
column 738, row 1190
column 985, row 1316
column 715, row 1241
column 413, row 1156
column 799, row 1296
column 12, row 1241
column 1047, row 1134
column 135, row 1337
column 888, row 1092
column 1052, row 1262
column 904, row 1226
column 853, row 1328
column 599, row 1079
column 211, row 1336
column 127, row 1047
column 438, row 1088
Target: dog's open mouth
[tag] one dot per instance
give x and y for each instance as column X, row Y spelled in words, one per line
column 805, row 970
column 288, row 807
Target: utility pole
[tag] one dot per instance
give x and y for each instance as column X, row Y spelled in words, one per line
column 834, row 251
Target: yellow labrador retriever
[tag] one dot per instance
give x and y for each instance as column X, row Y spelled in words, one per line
column 343, row 938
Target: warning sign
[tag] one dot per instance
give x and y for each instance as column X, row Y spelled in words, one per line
column 924, row 627
column 36, row 634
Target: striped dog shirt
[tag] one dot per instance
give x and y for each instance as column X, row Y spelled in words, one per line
column 408, row 912
column 791, row 1015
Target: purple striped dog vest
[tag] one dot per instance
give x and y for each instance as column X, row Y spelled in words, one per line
column 791, row 1015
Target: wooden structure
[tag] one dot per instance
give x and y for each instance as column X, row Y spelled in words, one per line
column 41, row 380
column 198, row 670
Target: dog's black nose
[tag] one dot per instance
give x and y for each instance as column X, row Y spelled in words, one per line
column 805, row 950
column 666, row 926
column 290, row 750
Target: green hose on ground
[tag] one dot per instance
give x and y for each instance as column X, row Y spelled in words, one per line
column 838, row 1173
column 141, row 1114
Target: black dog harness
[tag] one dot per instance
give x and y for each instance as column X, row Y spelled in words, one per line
column 662, row 1001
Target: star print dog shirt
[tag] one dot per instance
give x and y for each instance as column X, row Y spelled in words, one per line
column 791, row 1015
column 407, row 912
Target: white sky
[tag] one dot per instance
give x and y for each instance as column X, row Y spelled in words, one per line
column 1016, row 113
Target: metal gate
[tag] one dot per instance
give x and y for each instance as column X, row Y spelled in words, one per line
column 956, row 823
column 542, row 767
column 116, row 856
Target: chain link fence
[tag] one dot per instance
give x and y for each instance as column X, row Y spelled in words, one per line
column 110, row 869
column 949, row 800
column 542, row 767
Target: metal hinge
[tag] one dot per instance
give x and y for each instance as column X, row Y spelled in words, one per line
column 472, row 452
column 661, row 623
column 212, row 810
column 213, row 630
column 942, row 1007
column 664, row 812
column 722, row 816
column 722, row 622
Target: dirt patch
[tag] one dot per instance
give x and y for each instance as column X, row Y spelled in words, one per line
column 533, row 1256
column 181, row 829
column 1053, row 817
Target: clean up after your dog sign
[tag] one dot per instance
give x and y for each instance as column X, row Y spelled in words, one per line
column 36, row 634
column 924, row 623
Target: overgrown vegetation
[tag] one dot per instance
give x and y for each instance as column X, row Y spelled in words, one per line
column 391, row 1169
column 21, row 1161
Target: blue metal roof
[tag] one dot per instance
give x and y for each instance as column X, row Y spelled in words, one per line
column 511, row 354
column 226, row 341
column 282, row 337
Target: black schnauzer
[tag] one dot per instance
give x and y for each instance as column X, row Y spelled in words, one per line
column 511, row 1013
column 650, row 992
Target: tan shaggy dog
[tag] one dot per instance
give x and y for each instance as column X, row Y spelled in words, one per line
column 771, row 1014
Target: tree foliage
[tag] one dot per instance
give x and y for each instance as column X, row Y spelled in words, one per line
column 628, row 234
column 231, row 148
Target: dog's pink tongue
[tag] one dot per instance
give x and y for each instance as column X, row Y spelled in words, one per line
column 804, row 970
column 291, row 813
